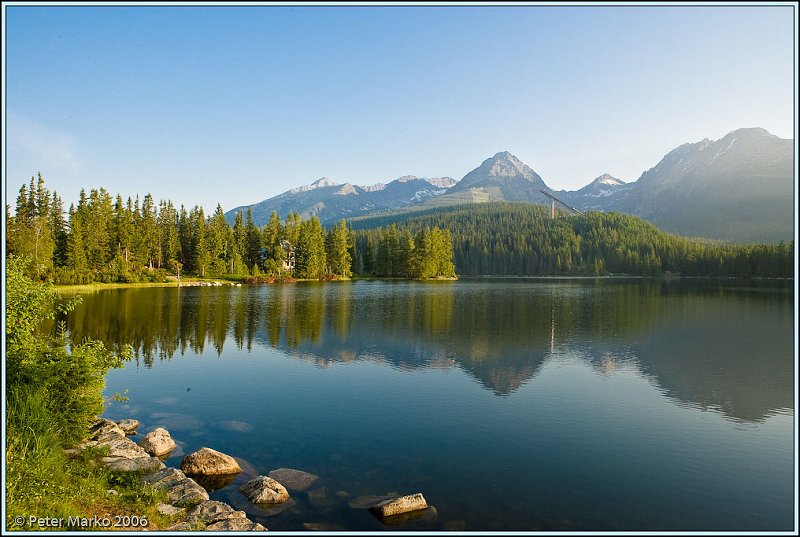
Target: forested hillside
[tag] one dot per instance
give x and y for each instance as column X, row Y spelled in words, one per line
column 110, row 240
column 521, row 239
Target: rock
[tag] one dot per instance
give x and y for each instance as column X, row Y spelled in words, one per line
column 168, row 510
column 164, row 478
column 212, row 511
column 103, row 426
column 236, row 524
column 429, row 514
column 135, row 465
column 397, row 506
column 158, row 442
column 186, row 493
column 207, row 461
column 128, row 426
column 264, row 489
column 293, row 479
column 120, row 447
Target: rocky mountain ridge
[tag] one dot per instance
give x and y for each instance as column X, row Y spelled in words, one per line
column 738, row 188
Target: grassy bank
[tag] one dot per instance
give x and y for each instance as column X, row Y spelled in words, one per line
column 43, row 482
column 54, row 390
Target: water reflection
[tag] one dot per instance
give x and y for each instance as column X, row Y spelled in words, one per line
column 719, row 347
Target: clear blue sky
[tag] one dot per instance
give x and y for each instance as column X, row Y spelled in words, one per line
column 238, row 104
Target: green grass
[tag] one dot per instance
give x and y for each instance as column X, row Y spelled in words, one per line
column 43, row 481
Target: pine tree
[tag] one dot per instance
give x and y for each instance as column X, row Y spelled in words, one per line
column 310, row 250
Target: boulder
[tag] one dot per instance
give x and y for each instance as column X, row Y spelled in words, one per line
column 397, row 506
column 429, row 514
column 164, row 478
column 186, row 493
column 264, row 489
column 103, row 426
column 119, row 447
column 158, row 442
column 128, row 425
column 139, row 464
column 212, row 511
column 293, row 479
column 207, row 461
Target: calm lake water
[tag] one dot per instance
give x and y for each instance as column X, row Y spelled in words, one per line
column 531, row 405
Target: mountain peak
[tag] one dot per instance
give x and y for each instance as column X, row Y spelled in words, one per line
column 607, row 179
column 319, row 183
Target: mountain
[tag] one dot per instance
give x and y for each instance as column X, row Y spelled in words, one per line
column 738, row 188
column 500, row 178
column 595, row 195
column 332, row 201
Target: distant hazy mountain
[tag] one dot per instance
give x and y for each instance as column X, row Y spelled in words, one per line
column 332, row 201
column 738, row 188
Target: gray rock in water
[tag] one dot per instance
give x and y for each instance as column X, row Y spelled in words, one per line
column 207, row 461
column 429, row 514
column 264, row 489
column 293, row 479
column 128, row 425
column 158, row 442
column 135, row 465
column 397, row 506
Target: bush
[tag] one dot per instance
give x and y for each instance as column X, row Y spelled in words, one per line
column 69, row 385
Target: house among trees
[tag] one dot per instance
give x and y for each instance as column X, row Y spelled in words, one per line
column 288, row 259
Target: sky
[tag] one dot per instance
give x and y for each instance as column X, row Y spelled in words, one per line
column 236, row 104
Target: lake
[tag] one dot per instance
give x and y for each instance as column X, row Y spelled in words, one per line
column 511, row 404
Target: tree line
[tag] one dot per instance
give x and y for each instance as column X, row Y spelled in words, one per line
column 521, row 239
column 106, row 239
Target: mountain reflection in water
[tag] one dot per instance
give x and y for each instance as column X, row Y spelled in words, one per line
column 705, row 344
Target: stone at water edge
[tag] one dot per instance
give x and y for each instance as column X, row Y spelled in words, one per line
column 158, row 442
column 128, row 425
column 212, row 511
column 405, row 504
column 139, row 464
column 207, row 461
column 103, row 426
column 264, row 489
